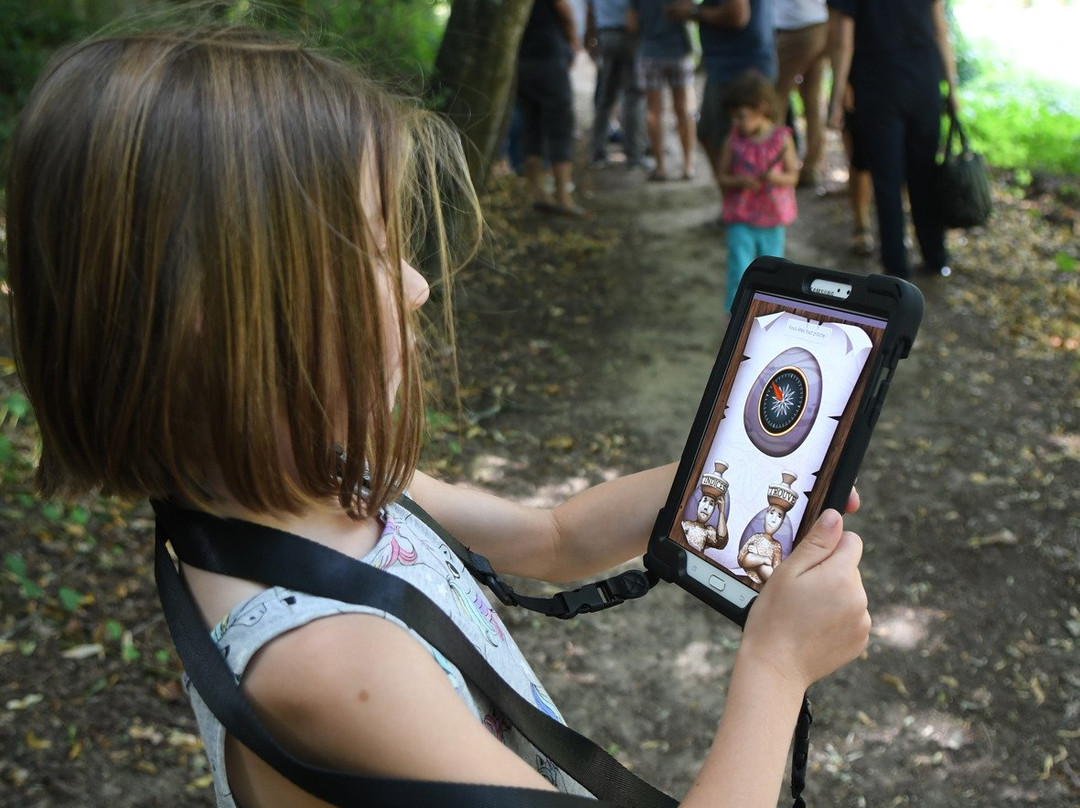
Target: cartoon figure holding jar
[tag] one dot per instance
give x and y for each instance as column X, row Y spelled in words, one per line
column 701, row 533
column 762, row 553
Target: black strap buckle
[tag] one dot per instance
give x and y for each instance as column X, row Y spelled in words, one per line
column 596, row 597
column 480, row 567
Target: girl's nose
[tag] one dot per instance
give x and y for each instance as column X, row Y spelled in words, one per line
column 417, row 289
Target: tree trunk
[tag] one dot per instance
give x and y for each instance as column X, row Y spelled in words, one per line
column 475, row 74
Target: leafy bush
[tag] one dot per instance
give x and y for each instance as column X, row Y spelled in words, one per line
column 1025, row 124
column 1016, row 119
column 29, row 33
column 395, row 39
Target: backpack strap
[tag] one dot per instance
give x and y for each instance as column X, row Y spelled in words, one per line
column 223, row 546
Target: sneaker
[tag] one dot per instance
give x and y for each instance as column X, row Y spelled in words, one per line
column 642, row 163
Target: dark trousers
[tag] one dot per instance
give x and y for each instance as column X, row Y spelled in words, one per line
column 618, row 78
column 898, row 129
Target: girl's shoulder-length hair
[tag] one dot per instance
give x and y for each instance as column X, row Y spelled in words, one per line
column 751, row 89
column 199, row 275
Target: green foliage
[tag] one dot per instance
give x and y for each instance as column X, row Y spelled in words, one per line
column 70, row 599
column 1024, row 123
column 15, row 566
column 1017, row 120
column 29, row 33
column 1065, row 262
column 394, row 39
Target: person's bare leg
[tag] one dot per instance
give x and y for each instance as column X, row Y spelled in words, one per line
column 534, row 178
column 862, row 191
column 811, row 92
column 682, row 99
column 787, row 70
column 563, row 174
column 860, row 194
column 654, row 126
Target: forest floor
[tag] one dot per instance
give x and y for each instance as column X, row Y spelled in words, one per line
column 584, row 349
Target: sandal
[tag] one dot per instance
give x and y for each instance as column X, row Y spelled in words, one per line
column 567, row 211
column 657, row 176
column 862, row 243
column 570, row 212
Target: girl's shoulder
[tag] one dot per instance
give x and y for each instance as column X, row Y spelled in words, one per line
column 779, row 133
column 355, row 692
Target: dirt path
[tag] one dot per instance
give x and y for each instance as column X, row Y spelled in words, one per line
column 584, row 348
column 968, row 695
column 670, row 341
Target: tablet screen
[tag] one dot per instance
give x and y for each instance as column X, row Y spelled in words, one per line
column 767, row 456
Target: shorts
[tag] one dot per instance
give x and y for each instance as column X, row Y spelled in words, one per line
column 714, row 120
column 674, row 73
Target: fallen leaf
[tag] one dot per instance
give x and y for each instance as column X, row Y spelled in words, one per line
column 1037, row 691
column 25, row 702
column 36, row 744
column 1003, row 538
column 896, row 682
column 559, row 442
column 199, row 783
column 84, row 651
column 184, row 740
column 170, row 690
column 144, row 733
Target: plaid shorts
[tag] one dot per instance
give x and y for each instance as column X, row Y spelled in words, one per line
column 661, row 73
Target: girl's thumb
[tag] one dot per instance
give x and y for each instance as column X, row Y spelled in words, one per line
column 818, row 544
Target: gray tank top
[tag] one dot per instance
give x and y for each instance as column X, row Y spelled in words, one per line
column 409, row 549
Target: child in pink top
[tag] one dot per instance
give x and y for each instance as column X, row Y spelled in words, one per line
column 758, row 174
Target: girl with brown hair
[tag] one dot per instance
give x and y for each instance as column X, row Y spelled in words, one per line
column 212, row 239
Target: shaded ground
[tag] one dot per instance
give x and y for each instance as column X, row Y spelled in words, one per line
column 584, row 351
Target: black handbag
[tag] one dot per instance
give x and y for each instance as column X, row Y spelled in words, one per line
column 223, row 546
column 961, row 182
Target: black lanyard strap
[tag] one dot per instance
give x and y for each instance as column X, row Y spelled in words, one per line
column 800, row 753
column 592, row 597
column 224, row 546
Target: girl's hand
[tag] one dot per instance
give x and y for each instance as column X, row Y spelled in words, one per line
column 811, row 617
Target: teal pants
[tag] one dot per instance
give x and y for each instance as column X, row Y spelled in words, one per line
column 745, row 243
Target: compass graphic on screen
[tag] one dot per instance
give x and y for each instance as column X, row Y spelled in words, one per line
column 783, row 402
